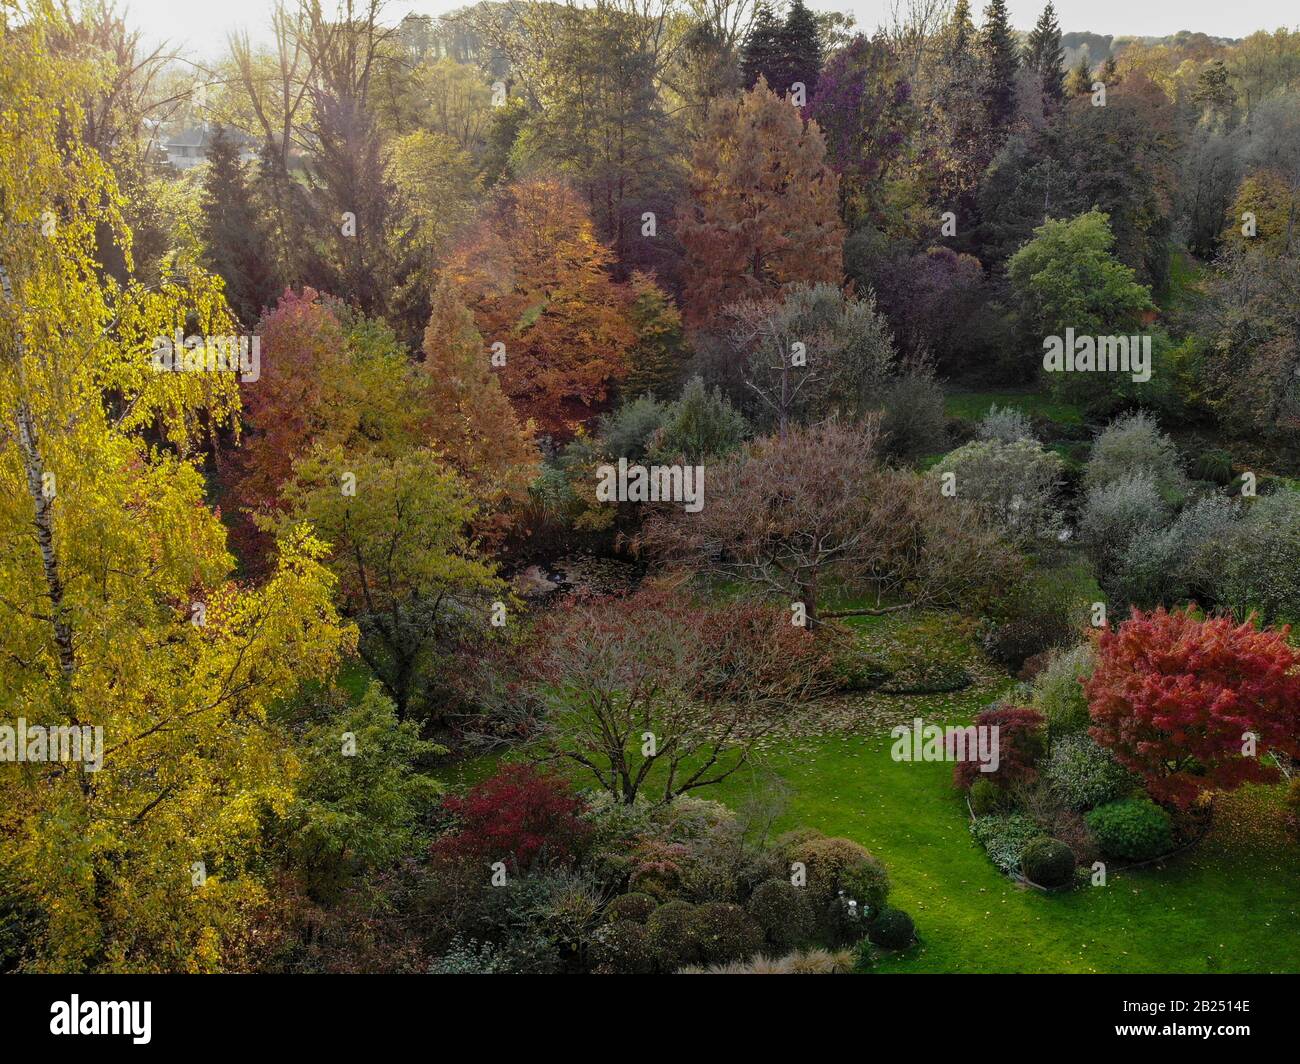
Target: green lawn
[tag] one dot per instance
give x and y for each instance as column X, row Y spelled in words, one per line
column 1231, row 904
column 972, row 406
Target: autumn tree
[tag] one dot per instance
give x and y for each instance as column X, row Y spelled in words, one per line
column 1194, row 704
column 790, row 515
column 657, row 360
column 865, row 109
column 328, row 375
column 470, row 421
column 659, row 694
column 398, row 533
column 537, row 281
column 119, row 610
column 762, row 212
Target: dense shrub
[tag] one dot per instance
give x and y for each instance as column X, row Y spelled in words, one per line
column 984, row 796
column 1134, row 829
column 673, row 935
column 1014, row 484
column 1183, row 561
column 1261, row 561
column 635, row 907
column 1021, row 743
column 468, row 958
column 1173, row 695
column 725, row 932
column 1072, row 829
column 835, row 865
column 1004, row 838
column 622, row 948
column 1116, row 512
column 891, row 929
column 925, row 675
column 1005, row 425
column 1082, row 774
column 913, row 421
column 627, row 431
column 1058, row 691
column 1047, row 862
column 1133, row 445
column 700, row 424
column 518, row 816
column 781, row 910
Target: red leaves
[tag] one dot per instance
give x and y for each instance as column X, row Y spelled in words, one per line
column 1173, row 695
column 1020, row 745
column 519, row 816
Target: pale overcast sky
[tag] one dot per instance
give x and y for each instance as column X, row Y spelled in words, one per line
column 203, row 26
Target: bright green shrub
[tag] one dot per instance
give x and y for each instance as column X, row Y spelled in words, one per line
column 1135, row 829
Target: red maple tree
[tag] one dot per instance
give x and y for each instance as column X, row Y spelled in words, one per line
column 1174, row 696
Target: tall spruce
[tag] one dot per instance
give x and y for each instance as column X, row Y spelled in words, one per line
column 800, row 50
column 962, row 29
column 1001, row 59
column 1044, row 55
column 761, row 52
column 233, row 232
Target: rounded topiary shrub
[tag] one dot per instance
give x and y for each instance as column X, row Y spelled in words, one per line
column 834, row 865
column 984, row 797
column 622, row 948
column 781, row 910
column 1135, row 829
column 891, row 929
column 1082, row 774
column 725, row 932
column 673, row 937
column 636, row 907
column 1047, row 862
